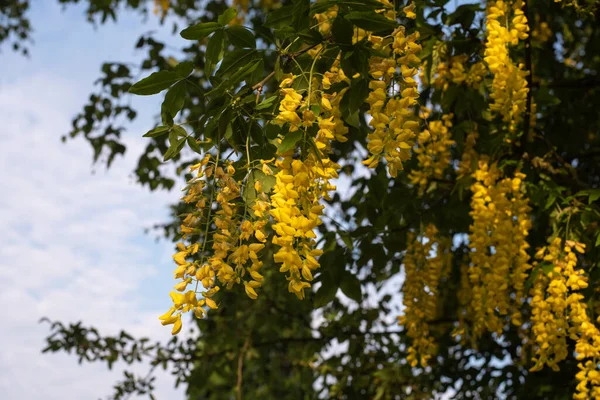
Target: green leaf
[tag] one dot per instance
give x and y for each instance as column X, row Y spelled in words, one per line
column 289, row 141
column 265, row 151
column 350, row 286
column 179, row 131
column 272, row 130
column 326, row 292
column 227, row 16
column 200, row 31
column 184, row 69
column 333, row 261
column 358, row 93
column 594, row 195
column 463, row 15
column 363, row 5
column 278, row 71
column 550, row 201
column 172, row 137
column 240, row 36
column 224, row 121
column 257, row 133
column 174, row 99
column 371, row 21
column 158, row 131
column 346, row 239
column 240, row 75
column 257, row 76
column 244, row 71
column 322, row 6
column 450, row 96
column 531, row 279
column 228, row 135
column 214, row 51
column 342, row 31
column 155, row 83
column 597, row 240
column 301, row 18
column 235, row 59
column 266, row 103
column 547, row 267
column 353, row 120
column 280, row 17
column 174, row 149
column 266, row 181
column 193, row 144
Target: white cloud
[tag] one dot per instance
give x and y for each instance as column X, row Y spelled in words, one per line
column 72, row 245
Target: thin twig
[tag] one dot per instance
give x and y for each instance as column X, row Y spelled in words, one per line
column 262, row 83
column 528, row 67
column 586, row 83
column 240, row 368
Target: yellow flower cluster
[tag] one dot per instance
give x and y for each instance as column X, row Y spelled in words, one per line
column 498, row 241
column 559, row 312
column 186, row 269
column 301, row 184
column 433, row 152
column 506, row 24
column 454, row 71
column 588, row 7
column 236, row 242
column 392, row 102
column 409, row 11
column 464, row 296
column 325, row 20
column 541, row 33
column 243, row 6
column 469, row 158
column 427, row 260
column 161, row 7
column 233, row 254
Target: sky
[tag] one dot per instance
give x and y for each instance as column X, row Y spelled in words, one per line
column 72, row 233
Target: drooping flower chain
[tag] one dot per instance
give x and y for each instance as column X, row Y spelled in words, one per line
column 506, row 24
column 559, row 311
column 393, row 96
column 423, row 272
column 433, row 152
column 501, row 222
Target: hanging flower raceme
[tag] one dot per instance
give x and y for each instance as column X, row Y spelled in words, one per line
column 427, row 260
column 559, row 312
column 456, row 70
column 541, row 33
column 392, row 103
column 433, row 152
column 301, row 183
column 233, row 256
column 498, row 241
column 506, row 25
column 469, row 159
column 325, row 20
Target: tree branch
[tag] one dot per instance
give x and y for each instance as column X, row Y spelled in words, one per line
column 583, row 83
column 240, row 368
column 528, row 67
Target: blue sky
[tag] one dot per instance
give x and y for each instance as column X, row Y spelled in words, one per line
column 73, row 245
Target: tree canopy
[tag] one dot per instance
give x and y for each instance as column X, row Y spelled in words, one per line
column 464, row 141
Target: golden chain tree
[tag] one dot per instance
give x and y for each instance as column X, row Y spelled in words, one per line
column 336, row 144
